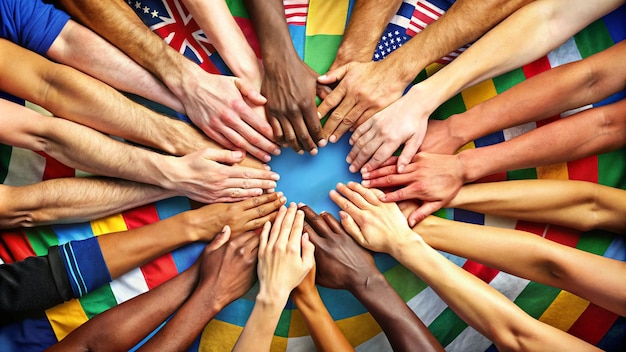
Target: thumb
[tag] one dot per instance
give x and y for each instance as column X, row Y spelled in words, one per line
column 221, row 238
column 308, row 251
column 333, row 76
column 223, row 155
column 407, row 154
column 351, row 227
column 423, row 211
column 249, row 91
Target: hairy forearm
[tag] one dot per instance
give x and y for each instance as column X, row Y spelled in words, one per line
column 562, row 88
column 324, row 332
column 532, row 257
column 122, row 327
column 576, row 204
column 404, row 330
column 78, row 47
column 590, row 132
column 70, row 200
column 523, row 37
column 366, row 24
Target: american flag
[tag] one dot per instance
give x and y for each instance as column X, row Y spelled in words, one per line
column 412, row 17
column 296, row 11
column 173, row 22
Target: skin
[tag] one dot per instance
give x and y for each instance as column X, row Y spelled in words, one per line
column 382, row 227
column 324, row 332
column 575, row 204
column 72, row 200
column 539, row 27
column 436, row 179
column 215, row 103
column 206, row 176
column 562, row 88
column 343, row 264
column 289, row 84
column 224, row 272
column 84, row 50
column 367, row 87
column 285, row 258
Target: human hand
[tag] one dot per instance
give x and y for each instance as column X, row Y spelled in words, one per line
column 439, row 140
column 207, row 177
column 375, row 225
column 341, row 262
column 380, row 136
column 307, row 286
column 432, row 178
column 215, row 104
column 364, row 89
column 290, row 88
column 285, row 255
column 227, row 266
column 242, row 216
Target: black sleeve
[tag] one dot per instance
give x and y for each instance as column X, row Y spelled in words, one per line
column 29, row 287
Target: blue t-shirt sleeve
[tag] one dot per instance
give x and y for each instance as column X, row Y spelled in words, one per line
column 31, row 23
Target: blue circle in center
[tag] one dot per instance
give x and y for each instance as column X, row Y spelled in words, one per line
column 308, row 179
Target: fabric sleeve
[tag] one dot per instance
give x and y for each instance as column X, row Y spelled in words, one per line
column 29, row 287
column 84, row 265
column 31, row 23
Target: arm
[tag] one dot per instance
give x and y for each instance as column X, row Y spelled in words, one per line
column 366, row 88
column 202, row 175
column 526, row 35
column 289, row 84
column 436, row 179
column 552, row 92
column 343, row 264
column 213, row 102
column 285, row 258
column 78, row 47
column 382, row 227
column 224, row 276
column 71, row 200
column 575, row 204
column 324, row 332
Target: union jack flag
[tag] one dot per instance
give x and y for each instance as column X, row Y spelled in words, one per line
column 173, row 22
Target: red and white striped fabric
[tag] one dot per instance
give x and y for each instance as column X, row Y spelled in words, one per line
column 296, row 11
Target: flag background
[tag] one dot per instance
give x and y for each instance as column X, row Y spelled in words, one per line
column 316, row 30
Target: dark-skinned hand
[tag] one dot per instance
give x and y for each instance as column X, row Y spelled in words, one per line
column 341, row 262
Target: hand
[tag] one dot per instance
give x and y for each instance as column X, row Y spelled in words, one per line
column 215, row 104
column 246, row 215
column 281, row 264
column 364, row 89
column 207, row 177
column 432, row 178
column 307, row 286
column 341, row 262
column 290, row 89
column 379, row 137
column 227, row 265
column 375, row 225
column 439, row 140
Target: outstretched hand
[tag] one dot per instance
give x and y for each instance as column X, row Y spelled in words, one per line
column 375, row 225
column 285, row 255
column 434, row 179
column 341, row 262
column 364, row 89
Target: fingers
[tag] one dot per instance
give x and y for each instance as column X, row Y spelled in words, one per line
column 315, row 128
column 315, row 221
column 264, row 237
column 220, row 239
column 329, row 103
column 332, row 223
column 295, row 241
column 333, row 76
column 353, row 195
column 422, row 212
column 384, row 152
column 262, row 209
column 249, row 91
column 223, row 155
column 302, row 133
column 308, row 252
column 351, row 227
column 408, row 152
column 286, row 227
column 275, row 231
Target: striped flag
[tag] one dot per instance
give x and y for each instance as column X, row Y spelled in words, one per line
column 296, row 11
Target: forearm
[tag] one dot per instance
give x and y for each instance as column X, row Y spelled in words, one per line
column 526, row 35
column 78, row 47
column 215, row 19
column 575, row 204
column 404, row 330
column 122, row 327
column 562, row 88
column 324, row 332
column 71, row 200
column 532, row 257
column 590, row 132
column 366, row 24
column 259, row 329
column 271, row 28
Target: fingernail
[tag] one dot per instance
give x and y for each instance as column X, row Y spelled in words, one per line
column 300, row 205
column 279, row 194
column 365, row 183
column 351, row 142
column 340, row 184
column 237, row 154
column 276, row 151
column 322, row 143
column 333, row 139
column 412, row 222
column 272, row 185
column 300, row 152
column 267, row 158
column 382, row 197
column 365, row 175
column 349, row 159
column 319, row 116
column 400, row 168
column 275, row 177
column 314, row 151
column 352, row 169
column 322, row 77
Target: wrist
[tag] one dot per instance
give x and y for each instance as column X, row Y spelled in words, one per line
column 194, row 225
column 404, row 245
column 275, row 300
column 308, row 300
column 470, row 170
column 407, row 70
